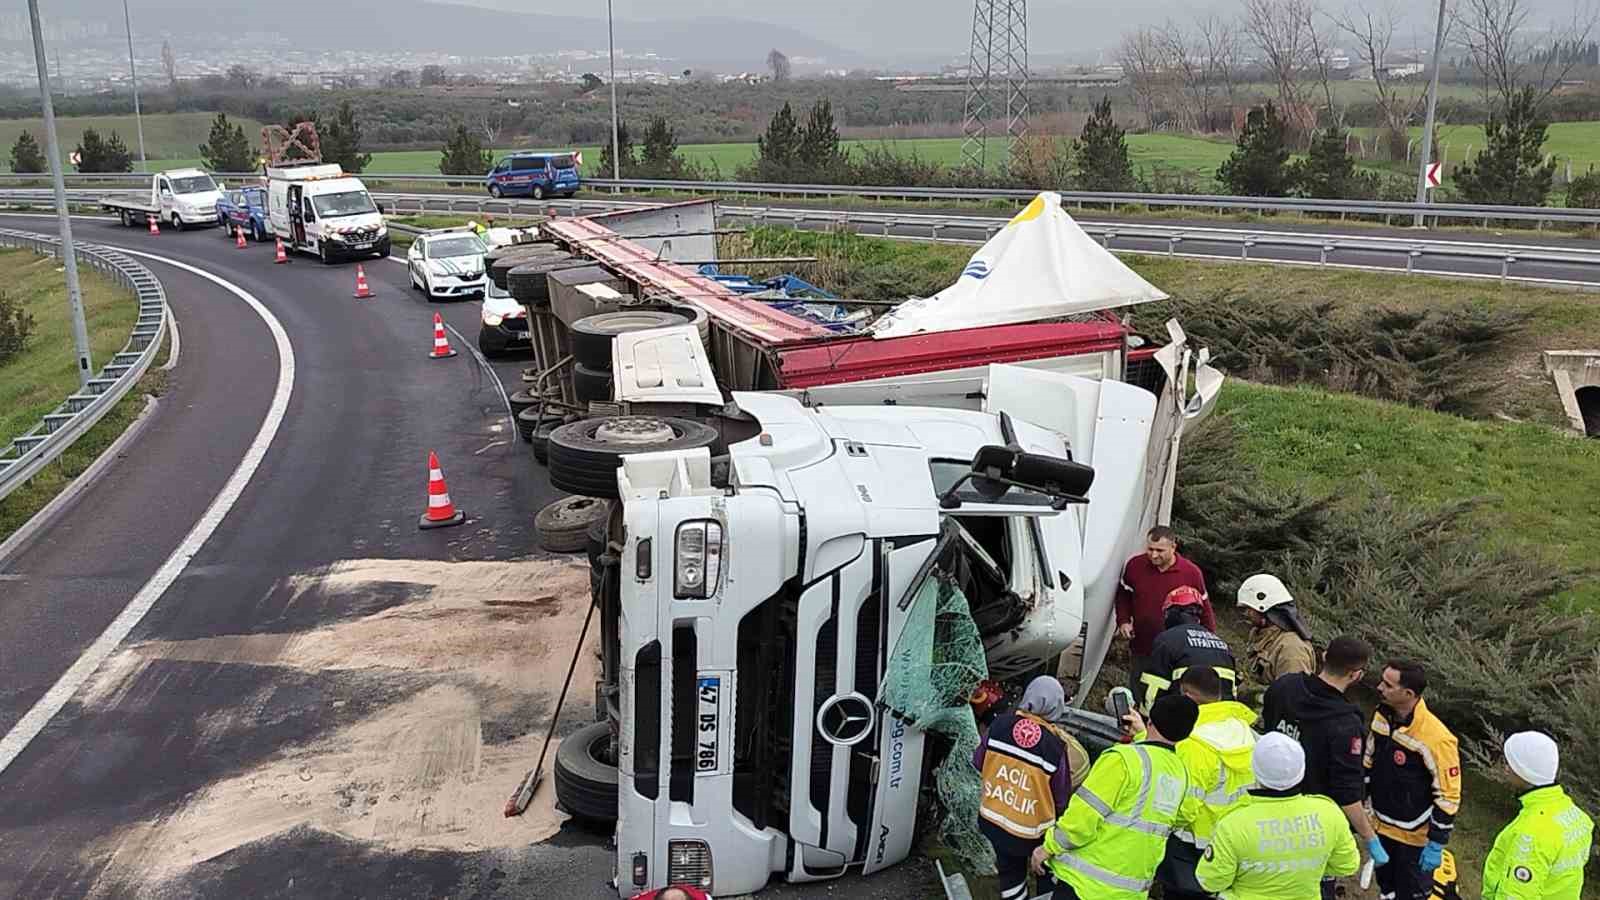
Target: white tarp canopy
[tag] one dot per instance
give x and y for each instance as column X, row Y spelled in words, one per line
column 1040, row 266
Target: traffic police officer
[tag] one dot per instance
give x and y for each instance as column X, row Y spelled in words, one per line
column 1280, row 642
column 1184, row 643
column 1217, row 758
column 1541, row 854
column 1030, row 767
column 1108, row 843
column 1282, row 843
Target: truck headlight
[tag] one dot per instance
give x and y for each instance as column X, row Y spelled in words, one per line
column 698, row 554
column 689, row 862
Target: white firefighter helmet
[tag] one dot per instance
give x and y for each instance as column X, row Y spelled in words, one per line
column 1262, row 592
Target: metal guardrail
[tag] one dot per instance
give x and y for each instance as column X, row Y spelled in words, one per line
column 1329, row 249
column 81, row 410
column 1438, row 212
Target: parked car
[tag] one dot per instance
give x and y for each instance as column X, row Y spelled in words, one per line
column 535, row 174
column 448, row 265
column 504, row 324
column 244, row 208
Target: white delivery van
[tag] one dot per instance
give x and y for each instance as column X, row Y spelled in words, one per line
column 316, row 208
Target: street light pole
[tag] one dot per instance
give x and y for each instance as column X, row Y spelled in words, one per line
column 1427, row 125
column 80, row 332
column 616, row 148
column 133, row 73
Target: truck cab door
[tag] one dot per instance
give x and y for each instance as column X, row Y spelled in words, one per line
column 164, row 196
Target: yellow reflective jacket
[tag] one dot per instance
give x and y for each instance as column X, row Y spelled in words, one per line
column 1278, row 848
column 1217, row 757
column 1113, row 834
column 1541, row 854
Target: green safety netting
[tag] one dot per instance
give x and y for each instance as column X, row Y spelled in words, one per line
column 932, row 672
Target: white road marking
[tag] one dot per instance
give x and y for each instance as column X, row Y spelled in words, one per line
column 173, row 347
column 36, row 718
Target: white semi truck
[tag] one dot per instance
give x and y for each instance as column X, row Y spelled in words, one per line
column 317, row 209
column 177, row 197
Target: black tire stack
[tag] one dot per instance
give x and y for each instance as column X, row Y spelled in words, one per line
column 584, row 457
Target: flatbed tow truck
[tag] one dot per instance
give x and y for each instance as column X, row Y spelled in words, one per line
column 181, row 198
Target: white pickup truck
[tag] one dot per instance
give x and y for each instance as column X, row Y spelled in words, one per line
column 178, row 197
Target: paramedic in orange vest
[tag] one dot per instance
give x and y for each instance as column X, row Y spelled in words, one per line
column 1030, row 767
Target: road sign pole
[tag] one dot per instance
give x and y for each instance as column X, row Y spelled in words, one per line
column 1427, row 124
column 80, row 331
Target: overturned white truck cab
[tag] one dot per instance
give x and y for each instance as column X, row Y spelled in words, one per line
column 759, row 593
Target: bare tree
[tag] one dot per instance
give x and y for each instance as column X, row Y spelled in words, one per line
column 1143, row 57
column 169, row 62
column 1220, row 39
column 1371, row 24
column 491, row 124
column 1495, row 34
column 779, row 64
column 1277, row 29
column 1185, row 59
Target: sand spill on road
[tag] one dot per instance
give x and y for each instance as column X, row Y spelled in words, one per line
column 484, row 640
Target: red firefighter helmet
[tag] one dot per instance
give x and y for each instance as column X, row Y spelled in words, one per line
column 1183, row 595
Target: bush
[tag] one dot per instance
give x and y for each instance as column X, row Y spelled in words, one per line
column 1584, row 191
column 1421, row 359
column 16, row 326
column 1412, row 581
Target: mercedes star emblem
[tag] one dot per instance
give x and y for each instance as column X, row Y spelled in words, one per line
column 846, row 719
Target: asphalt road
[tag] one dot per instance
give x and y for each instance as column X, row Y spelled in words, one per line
column 318, row 644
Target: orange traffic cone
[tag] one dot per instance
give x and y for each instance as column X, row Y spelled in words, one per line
column 441, row 346
column 362, row 291
column 281, row 257
column 441, row 512
column 238, row 232
column 154, row 228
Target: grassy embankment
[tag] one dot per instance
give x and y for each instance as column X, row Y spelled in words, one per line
column 44, row 374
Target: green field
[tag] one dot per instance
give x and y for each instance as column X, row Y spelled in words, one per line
column 167, row 136
column 1578, row 142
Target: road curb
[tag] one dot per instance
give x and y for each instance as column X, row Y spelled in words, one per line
column 63, row 501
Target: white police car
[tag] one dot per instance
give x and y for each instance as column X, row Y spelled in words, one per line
column 448, row 265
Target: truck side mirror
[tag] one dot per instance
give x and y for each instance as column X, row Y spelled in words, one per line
column 997, row 469
column 381, row 210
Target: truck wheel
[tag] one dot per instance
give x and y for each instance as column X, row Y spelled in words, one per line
column 494, row 191
column 529, row 284
column 521, row 400
column 586, row 785
column 177, row 222
column 591, row 335
column 585, row 455
column 590, row 385
column 563, row 526
column 527, row 421
column 541, row 443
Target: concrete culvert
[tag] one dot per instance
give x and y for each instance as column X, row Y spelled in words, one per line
column 1589, row 408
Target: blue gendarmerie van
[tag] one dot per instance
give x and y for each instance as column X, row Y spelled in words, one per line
column 537, row 174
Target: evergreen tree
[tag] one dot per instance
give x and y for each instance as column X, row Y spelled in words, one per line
column 341, row 140
column 608, row 153
column 778, row 150
column 658, row 153
column 117, row 156
column 1511, row 168
column 1100, row 155
column 227, row 149
column 464, row 154
column 818, row 156
column 1257, row 167
column 97, row 154
column 1329, row 172
column 26, row 155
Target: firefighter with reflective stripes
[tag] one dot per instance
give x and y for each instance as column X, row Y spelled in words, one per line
column 1541, row 854
column 1030, row 767
column 1413, row 782
column 1217, row 757
column 1108, row 843
column 1184, row 642
column 1280, row 844
column 1280, row 642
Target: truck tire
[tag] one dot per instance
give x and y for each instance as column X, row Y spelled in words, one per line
column 584, row 456
column 528, row 283
column 541, row 442
column 563, row 526
column 591, row 385
column 527, row 421
column 521, row 400
column 503, row 261
column 177, row 222
column 591, row 335
column 586, row 787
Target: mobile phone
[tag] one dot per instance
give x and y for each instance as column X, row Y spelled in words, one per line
column 1121, row 705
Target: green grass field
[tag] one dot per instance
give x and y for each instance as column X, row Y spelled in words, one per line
column 1577, row 142
column 167, row 136
column 45, row 372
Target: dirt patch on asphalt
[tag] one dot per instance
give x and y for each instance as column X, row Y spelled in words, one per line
column 485, row 641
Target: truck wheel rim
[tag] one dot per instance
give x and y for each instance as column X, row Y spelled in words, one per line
column 633, row 431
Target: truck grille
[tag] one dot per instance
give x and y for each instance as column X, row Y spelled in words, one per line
column 827, row 667
column 764, row 714
column 689, row 862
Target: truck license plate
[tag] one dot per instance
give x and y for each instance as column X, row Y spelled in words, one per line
column 705, row 757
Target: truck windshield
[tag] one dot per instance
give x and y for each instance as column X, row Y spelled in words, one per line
column 465, row 245
column 193, row 184
column 345, row 203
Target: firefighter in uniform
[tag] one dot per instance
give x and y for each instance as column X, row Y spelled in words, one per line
column 1280, row 642
column 1282, row 843
column 1108, row 843
column 1030, row 767
column 1184, row 642
column 1541, row 854
column 1217, row 757
column 1413, row 782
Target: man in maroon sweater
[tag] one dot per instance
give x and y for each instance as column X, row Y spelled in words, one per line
column 1147, row 579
